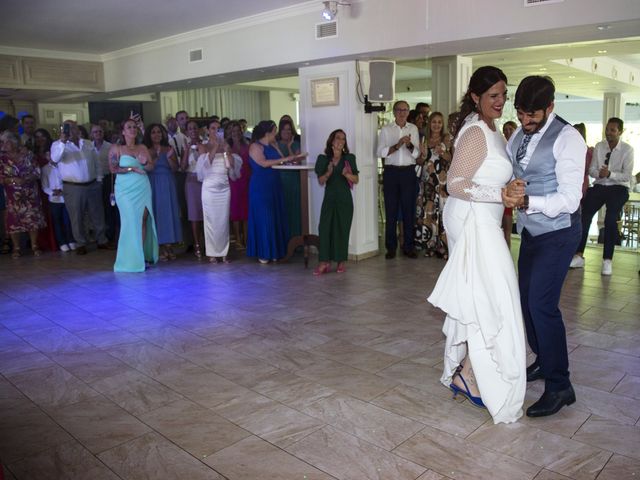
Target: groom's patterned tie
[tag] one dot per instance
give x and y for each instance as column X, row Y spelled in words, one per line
column 522, row 149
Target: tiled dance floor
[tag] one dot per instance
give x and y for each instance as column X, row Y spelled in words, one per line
column 197, row 371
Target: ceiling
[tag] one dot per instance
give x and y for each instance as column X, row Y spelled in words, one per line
column 86, row 27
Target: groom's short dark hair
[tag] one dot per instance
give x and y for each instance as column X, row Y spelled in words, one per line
column 534, row 93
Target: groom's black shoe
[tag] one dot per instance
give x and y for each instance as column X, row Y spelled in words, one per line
column 551, row 402
column 534, row 372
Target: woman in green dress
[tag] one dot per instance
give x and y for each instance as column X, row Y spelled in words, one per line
column 337, row 170
column 288, row 145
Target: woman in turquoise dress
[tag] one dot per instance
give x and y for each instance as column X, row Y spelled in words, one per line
column 138, row 242
column 166, row 209
column 288, row 145
column 337, row 171
column 268, row 227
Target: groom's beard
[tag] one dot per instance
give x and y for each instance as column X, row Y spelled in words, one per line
column 533, row 127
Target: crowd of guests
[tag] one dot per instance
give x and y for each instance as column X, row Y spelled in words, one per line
column 160, row 190
column 186, row 184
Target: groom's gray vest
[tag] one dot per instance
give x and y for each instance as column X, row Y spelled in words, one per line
column 541, row 177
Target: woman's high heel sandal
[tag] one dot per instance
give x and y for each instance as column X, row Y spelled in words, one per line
column 321, row 269
column 475, row 401
column 197, row 251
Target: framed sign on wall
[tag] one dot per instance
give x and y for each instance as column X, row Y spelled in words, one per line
column 325, row 92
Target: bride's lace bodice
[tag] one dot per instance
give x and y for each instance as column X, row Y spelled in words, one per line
column 480, row 165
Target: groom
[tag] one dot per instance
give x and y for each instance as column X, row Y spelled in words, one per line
column 548, row 158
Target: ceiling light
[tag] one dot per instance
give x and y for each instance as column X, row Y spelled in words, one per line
column 572, row 76
column 330, row 10
column 603, row 27
column 602, row 51
column 595, row 83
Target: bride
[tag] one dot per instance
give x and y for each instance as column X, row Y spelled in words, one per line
column 484, row 357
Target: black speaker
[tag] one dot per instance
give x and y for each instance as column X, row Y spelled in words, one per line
column 382, row 80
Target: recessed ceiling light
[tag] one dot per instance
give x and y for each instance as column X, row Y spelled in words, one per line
column 602, row 51
column 506, row 37
column 595, row 83
column 572, row 76
column 543, row 69
column 603, row 27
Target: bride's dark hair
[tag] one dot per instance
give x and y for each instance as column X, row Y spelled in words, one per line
column 482, row 80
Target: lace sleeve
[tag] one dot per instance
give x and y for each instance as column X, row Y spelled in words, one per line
column 470, row 152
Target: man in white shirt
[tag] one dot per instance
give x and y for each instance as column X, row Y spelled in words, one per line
column 77, row 163
column 101, row 148
column 548, row 156
column 398, row 144
column 612, row 167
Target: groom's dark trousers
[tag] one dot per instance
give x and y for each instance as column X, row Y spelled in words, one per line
column 542, row 267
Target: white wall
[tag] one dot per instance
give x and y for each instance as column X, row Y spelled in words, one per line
column 51, row 114
column 281, row 103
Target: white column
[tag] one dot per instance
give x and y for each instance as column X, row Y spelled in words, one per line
column 449, row 81
column 612, row 106
column 318, row 122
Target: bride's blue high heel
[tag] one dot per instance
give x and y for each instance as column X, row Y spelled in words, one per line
column 475, row 401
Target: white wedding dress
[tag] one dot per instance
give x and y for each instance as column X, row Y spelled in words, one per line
column 216, row 200
column 478, row 288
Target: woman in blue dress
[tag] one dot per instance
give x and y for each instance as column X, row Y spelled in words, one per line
column 138, row 242
column 166, row 209
column 268, row 226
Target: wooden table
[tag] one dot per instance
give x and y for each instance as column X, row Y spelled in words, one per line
column 305, row 239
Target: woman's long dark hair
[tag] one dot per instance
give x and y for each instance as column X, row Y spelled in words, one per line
column 328, row 151
column 482, row 80
column 261, row 129
column 227, row 133
column 45, row 133
column 147, row 135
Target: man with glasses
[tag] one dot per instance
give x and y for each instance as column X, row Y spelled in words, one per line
column 398, row 144
column 612, row 167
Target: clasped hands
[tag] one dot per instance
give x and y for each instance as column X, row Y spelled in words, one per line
column 513, row 193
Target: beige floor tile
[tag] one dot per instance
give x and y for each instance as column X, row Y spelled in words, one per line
column 606, row 359
column 253, row 458
column 135, row 392
column 109, row 336
column 620, row 467
column 90, row 366
column 290, row 389
column 418, row 376
column 627, row 346
column 548, row 475
column 173, row 339
column 152, row 457
column 230, row 364
column 364, row 420
column 66, row 461
column 99, row 424
column 431, row 475
column 348, row 380
column 268, row 419
column 27, row 431
column 462, row 459
column 611, row 435
column 56, row 340
column 553, row 452
column 193, row 428
column 347, row 457
column 52, row 386
column 355, row 356
column 565, row 423
column 146, row 357
column 595, row 376
column 629, row 386
column 452, row 417
column 200, row 385
column 610, row 405
column 22, row 362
